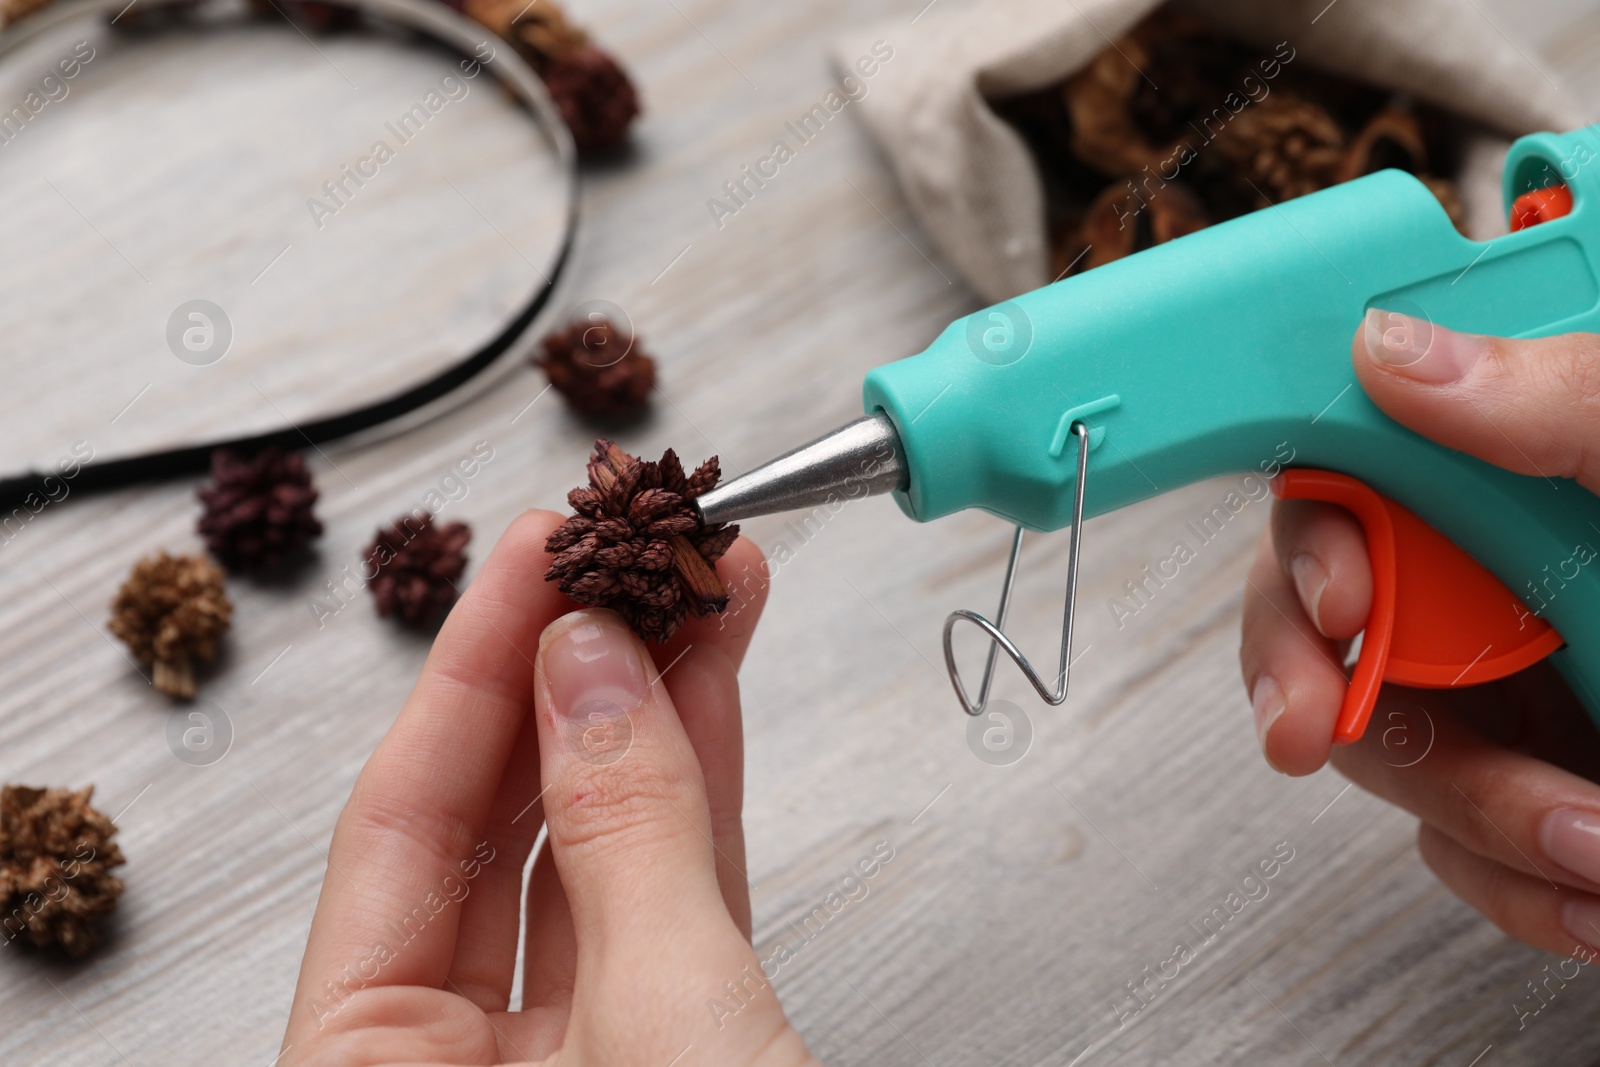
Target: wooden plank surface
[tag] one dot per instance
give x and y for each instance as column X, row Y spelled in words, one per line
column 1022, row 899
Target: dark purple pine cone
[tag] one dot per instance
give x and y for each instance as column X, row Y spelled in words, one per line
column 598, row 369
column 595, row 96
column 636, row 544
column 419, row 567
column 257, row 510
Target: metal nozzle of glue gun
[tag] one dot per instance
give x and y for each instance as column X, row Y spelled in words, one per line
column 860, row 458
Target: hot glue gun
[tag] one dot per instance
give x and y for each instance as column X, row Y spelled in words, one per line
column 1201, row 356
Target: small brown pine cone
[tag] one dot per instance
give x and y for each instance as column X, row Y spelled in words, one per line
column 596, row 97
column 56, row 855
column 1113, row 227
column 598, row 369
column 1098, row 99
column 539, row 30
column 636, row 544
column 1176, row 212
column 1118, row 223
column 1284, row 146
column 257, row 511
column 1391, row 138
column 418, row 567
column 1394, row 138
column 171, row 612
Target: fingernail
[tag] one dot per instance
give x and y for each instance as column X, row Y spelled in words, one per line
column 590, row 659
column 1581, row 917
column 1266, row 698
column 1310, row 580
column 1572, row 838
column 1419, row 349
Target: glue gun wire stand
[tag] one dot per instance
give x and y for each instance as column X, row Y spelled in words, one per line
column 865, row 457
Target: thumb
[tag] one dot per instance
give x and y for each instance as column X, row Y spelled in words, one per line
column 631, row 836
column 626, row 803
column 1530, row 406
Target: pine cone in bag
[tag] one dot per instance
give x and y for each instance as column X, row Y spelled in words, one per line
column 1098, row 100
column 1113, row 147
column 1394, row 137
column 1120, row 223
column 1284, row 146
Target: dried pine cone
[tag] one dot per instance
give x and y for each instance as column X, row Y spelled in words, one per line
column 636, row 544
column 1170, row 100
column 1391, row 138
column 258, row 510
column 598, row 369
column 1284, row 145
column 1097, row 98
column 171, row 611
column 56, row 853
column 1394, row 138
column 418, row 566
column 597, row 99
column 1118, row 224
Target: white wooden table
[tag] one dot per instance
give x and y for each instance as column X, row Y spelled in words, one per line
column 1022, row 900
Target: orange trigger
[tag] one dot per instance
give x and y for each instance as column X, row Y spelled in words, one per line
column 1439, row 619
column 1540, row 205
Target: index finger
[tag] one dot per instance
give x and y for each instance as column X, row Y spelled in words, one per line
column 414, row 822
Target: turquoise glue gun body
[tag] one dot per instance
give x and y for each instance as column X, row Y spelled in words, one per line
column 1227, row 350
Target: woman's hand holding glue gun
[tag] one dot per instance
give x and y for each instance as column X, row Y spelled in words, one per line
column 1501, row 776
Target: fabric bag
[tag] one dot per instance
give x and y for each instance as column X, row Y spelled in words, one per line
column 973, row 183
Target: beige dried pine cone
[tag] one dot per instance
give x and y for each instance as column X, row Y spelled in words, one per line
column 171, row 611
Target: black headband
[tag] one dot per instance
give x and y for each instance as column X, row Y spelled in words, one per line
column 462, row 35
